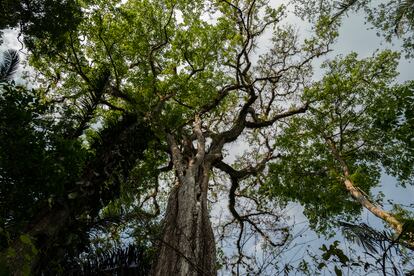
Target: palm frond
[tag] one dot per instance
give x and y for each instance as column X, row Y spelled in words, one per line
column 345, row 5
column 370, row 239
column 9, row 65
column 132, row 260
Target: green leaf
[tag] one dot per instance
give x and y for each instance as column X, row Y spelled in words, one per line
column 26, row 239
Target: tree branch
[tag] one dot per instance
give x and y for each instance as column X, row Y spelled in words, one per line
column 358, row 195
column 259, row 124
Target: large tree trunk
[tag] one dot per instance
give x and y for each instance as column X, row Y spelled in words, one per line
column 187, row 246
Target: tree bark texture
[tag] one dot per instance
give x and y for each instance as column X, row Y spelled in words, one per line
column 187, row 245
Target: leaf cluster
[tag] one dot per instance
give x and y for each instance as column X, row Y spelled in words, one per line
column 347, row 108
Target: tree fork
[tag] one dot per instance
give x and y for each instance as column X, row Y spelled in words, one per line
column 187, row 245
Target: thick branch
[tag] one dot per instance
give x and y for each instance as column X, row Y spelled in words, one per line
column 357, row 193
column 236, row 176
column 176, row 156
column 238, row 126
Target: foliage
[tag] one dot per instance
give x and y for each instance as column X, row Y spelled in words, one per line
column 347, row 106
column 44, row 164
column 160, row 55
column 338, row 258
column 34, row 17
column 9, row 66
column 132, row 260
column 36, row 163
column 394, row 19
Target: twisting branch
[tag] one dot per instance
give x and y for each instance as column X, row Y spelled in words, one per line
column 236, row 176
column 193, row 70
column 237, row 128
column 109, row 52
column 159, row 46
column 77, row 65
column 264, row 123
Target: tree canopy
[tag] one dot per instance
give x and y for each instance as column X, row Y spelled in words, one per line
column 125, row 136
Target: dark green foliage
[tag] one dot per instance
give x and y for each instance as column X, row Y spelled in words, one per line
column 334, row 252
column 10, row 13
column 115, row 152
column 367, row 237
column 307, row 173
column 45, row 167
column 9, row 65
column 78, row 119
column 132, row 260
column 386, row 250
column 316, row 186
column 381, row 255
column 46, row 24
column 81, row 148
column 35, row 163
column 393, row 116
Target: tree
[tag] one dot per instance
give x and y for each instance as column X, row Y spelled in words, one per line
column 191, row 71
column 53, row 187
column 351, row 132
column 32, row 18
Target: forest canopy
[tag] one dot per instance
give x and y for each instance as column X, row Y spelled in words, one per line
column 172, row 137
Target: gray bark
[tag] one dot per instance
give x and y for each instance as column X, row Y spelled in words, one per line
column 187, row 245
